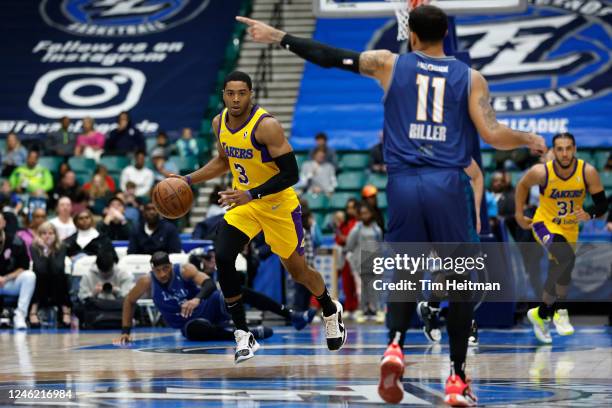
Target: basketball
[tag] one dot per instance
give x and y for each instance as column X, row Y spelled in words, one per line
column 172, row 197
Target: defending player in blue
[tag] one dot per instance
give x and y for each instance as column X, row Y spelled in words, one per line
column 434, row 106
column 189, row 300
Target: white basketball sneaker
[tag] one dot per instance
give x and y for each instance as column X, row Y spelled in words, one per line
column 246, row 346
column 562, row 323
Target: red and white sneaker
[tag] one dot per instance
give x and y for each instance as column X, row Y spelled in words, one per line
column 390, row 387
column 459, row 393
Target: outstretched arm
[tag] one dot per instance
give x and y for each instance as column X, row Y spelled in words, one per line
column 377, row 64
column 492, row 132
column 142, row 286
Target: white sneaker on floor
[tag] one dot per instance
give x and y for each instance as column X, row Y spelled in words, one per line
column 246, row 346
column 359, row 316
column 541, row 327
column 335, row 332
column 19, row 322
column 562, row 323
column 380, row 317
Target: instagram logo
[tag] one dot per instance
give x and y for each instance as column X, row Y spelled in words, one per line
column 95, row 92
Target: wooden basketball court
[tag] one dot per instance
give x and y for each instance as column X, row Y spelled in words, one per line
column 161, row 369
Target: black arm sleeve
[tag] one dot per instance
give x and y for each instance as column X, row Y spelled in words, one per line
column 286, row 177
column 321, row 54
column 208, row 287
column 601, row 205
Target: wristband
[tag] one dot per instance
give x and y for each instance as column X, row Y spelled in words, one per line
column 188, row 179
column 126, row 330
column 249, row 194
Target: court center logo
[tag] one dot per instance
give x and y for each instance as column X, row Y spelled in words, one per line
column 119, row 18
column 87, row 91
column 555, row 55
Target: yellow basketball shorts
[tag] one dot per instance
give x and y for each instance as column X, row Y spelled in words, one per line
column 280, row 220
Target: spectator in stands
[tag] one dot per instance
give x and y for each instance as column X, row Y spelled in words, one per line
column 105, row 280
column 14, row 156
column 377, row 164
column 32, row 178
column 27, row 235
column 132, row 205
column 63, row 169
column 99, row 194
column 321, row 144
column 9, row 200
column 15, row 278
column 162, row 167
column 67, row 187
column 52, row 286
column 154, row 234
column 187, row 146
column 162, row 142
column 369, row 195
column 317, row 175
column 125, row 139
column 344, row 223
column 141, row 176
column 503, row 200
column 514, row 159
column 87, row 240
column 90, row 143
column 365, row 234
column 103, row 172
column 63, row 221
column 114, row 224
column 61, row 142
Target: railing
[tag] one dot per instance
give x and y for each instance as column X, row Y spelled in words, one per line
column 264, row 70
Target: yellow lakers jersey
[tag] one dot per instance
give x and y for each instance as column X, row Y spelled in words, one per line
column 559, row 198
column 250, row 162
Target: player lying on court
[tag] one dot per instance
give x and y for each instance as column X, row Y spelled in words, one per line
column 564, row 183
column 252, row 146
column 189, row 300
column 435, row 107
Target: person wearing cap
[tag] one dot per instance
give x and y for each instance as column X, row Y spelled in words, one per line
column 368, row 193
column 188, row 299
column 105, row 280
column 161, row 167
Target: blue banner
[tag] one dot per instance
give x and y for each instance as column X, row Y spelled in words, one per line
column 549, row 71
column 76, row 58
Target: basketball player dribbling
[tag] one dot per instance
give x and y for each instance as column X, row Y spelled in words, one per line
column 434, row 105
column 252, row 146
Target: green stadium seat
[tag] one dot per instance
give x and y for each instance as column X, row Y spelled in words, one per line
column 203, row 145
column 51, row 162
column 316, row 201
column 353, row 180
column 320, row 217
column 378, row 180
column 358, row 161
column 338, row 200
column 301, row 157
column 487, row 160
column 585, row 155
column 184, row 164
column 381, row 199
column 328, row 223
column 115, row 163
column 82, row 164
column 83, row 177
column 601, row 158
column 606, row 179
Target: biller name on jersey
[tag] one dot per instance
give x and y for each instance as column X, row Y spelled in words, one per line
column 558, row 194
column 421, row 131
column 432, row 67
column 237, row 153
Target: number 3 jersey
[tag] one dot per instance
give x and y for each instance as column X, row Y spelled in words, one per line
column 559, row 198
column 250, row 162
column 427, row 121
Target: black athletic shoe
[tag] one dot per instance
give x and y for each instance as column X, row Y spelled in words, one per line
column 262, row 332
column 473, row 339
column 299, row 320
column 430, row 327
column 335, row 332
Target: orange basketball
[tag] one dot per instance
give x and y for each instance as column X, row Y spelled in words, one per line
column 172, row 197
